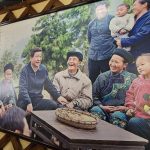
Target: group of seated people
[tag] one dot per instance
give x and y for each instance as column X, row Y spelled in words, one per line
column 117, row 96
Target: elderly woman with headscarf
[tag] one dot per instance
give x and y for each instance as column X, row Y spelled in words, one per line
column 110, row 88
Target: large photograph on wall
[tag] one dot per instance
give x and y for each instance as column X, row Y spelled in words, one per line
column 90, row 33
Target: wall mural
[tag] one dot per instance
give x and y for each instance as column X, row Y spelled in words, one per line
column 56, row 33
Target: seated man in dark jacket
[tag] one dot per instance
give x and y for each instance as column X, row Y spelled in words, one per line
column 33, row 78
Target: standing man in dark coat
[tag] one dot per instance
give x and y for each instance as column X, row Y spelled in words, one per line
column 101, row 42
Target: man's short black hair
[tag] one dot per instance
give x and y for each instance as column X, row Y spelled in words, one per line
column 34, row 50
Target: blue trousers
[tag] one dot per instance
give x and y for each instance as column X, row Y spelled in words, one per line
column 39, row 104
column 97, row 67
column 117, row 118
column 140, row 127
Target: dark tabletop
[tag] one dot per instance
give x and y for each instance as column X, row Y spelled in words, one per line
column 105, row 133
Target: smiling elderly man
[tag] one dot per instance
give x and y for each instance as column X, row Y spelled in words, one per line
column 74, row 85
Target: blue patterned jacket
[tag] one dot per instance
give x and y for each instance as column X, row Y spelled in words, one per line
column 110, row 89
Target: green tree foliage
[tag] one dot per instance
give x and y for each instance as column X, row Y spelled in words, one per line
column 58, row 33
column 130, row 3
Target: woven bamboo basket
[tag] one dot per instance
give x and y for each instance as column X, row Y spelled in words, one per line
column 76, row 118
